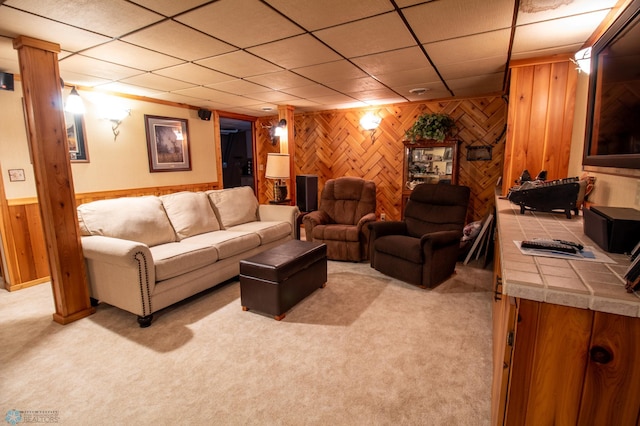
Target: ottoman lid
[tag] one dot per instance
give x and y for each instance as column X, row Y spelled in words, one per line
column 279, row 263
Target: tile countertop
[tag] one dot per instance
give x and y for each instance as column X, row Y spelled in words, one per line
column 577, row 283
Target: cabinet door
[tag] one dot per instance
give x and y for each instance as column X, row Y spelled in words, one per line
column 549, row 362
column 504, row 314
column 611, row 393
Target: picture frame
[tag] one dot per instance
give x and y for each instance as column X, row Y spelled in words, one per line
column 479, row 153
column 168, row 144
column 76, row 138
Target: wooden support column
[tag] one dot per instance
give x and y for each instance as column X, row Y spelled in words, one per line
column 52, row 167
column 286, row 112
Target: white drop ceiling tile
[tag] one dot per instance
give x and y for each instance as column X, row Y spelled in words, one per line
column 471, row 68
column 194, row 73
column 157, row 82
column 239, row 64
column 556, row 33
column 367, row 37
column 372, row 95
column 331, row 71
column 355, row 85
column 117, row 87
column 77, row 79
column 311, row 91
column 177, row 40
column 529, row 54
column 242, row 23
column 477, row 85
column 332, row 102
column 313, row 15
column 112, row 18
column 435, row 89
column 176, row 97
column 396, row 60
column 273, row 96
column 124, row 53
column 238, row 87
column 442, row 20
column 469, row 48
column 537, row 11
column 410, row 77
column 96, row 67
column 212, row 95
column 295, row 52
column 15, row 23
column 170, row 7
column 280, row 80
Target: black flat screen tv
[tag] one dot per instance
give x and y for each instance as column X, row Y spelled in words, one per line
column 613, row 108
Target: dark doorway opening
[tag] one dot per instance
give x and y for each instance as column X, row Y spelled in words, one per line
column 236, row 145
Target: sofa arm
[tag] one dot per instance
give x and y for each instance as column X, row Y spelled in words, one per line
column 364, row 220
column 313, row 219
column 279, row 213
column 441, row 239
column 120, row 273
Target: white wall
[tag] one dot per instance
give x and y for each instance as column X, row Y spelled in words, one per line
column 609, row 190
column 113, row 165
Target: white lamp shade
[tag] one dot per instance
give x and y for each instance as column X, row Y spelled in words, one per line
column 277, row 166
column 74, row 103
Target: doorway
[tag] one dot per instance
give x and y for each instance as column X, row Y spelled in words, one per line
column 236, row 147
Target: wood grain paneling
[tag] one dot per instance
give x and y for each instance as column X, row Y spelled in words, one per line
column 540, row 120
column 331, row 144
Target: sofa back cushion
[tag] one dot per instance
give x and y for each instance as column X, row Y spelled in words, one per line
column 190, row 213
column 141, row 219
column 234, row 206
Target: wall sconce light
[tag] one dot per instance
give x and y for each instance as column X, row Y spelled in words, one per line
column 278, row 130
column 115, row 115
column 278, row 169
column 74, row 104
column 583, row 60
column 370, row 122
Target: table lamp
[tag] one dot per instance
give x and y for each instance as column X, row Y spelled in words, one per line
column 278, row 169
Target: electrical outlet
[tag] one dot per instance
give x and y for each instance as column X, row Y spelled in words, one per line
column 383, row 217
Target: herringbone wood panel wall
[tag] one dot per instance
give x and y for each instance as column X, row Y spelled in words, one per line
column 331, row 144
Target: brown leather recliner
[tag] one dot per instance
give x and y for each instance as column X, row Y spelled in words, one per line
column 347, row 205
column 423, row 248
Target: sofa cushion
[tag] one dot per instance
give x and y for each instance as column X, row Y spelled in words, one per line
column 268, row 231
column 226, row 242
column 173, row 259
column 190, row 213
column 140, row 219
column 234, row 206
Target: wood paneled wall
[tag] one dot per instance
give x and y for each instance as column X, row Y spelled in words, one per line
column 331, row 144
column 540, row 119
column 26, row 253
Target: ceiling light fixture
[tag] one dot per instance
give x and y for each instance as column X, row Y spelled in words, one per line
column 74, row 103
column 418, row 91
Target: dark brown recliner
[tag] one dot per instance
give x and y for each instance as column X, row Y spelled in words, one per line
column 423, row 248
column 347, row 205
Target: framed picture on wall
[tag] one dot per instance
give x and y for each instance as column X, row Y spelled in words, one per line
column 167, row 144
column 76, row 137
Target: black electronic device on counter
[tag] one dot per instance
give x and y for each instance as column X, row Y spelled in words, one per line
column 561, row 194
column 614, row 229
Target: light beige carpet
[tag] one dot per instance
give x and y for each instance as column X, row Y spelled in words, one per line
column 365, row 350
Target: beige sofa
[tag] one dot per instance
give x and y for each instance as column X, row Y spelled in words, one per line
column 145, row 253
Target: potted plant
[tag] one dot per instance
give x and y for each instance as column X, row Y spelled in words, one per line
column 431, row 126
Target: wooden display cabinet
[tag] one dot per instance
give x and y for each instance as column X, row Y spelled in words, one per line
column 429, row 161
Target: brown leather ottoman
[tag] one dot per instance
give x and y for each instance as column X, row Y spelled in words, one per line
column 275, row 280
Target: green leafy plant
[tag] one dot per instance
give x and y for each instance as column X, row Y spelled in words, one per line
column 435, row 126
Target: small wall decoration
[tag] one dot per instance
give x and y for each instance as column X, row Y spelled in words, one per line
column 476, row 153
column 76, row 138
column 167, row 144
column 16, row 175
